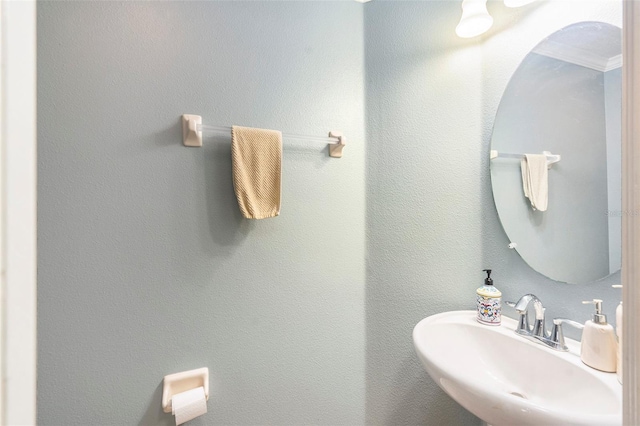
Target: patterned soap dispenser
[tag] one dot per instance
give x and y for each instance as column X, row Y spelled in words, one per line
column 489, row 302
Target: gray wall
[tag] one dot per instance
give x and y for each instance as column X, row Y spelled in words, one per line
column 613, row 110
column 145, row 266
column 424, row 207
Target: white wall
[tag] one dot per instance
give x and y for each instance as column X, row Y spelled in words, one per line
column 18, row 218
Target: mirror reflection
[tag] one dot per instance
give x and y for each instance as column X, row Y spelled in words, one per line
column 564, row 98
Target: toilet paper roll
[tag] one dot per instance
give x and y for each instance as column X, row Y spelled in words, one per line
column 188, row 405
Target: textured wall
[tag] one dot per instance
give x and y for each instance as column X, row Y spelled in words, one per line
column 613, row 108
column 424, row 204
column 145, row 266
column 431, row 221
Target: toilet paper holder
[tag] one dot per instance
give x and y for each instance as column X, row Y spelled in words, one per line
column 182, row 382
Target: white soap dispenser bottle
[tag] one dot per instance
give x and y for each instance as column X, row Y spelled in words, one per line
column 599, row 345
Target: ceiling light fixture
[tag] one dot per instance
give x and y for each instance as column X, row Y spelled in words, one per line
column 475, row 18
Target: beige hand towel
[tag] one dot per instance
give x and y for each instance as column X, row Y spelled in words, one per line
column 535, row 180
column 256, row 156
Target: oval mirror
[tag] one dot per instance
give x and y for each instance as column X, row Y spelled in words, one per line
column 564, row 98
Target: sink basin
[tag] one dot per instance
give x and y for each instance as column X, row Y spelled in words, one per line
column 507, row 380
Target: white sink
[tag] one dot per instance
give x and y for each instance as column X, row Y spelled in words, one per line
column 506, row 379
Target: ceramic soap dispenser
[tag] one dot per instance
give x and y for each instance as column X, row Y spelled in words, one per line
column 599, row 345
column 489, row 302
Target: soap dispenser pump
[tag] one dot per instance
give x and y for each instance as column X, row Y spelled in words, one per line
column 599, row 345
column 489, row 302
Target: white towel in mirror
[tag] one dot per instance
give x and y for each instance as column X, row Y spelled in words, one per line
column 535, row 180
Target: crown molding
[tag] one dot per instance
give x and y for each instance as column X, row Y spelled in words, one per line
column 578, row 56
column 614, row 62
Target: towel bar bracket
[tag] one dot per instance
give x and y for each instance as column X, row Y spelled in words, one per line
column 335, row 149
column 191, row 136
column 551, row 159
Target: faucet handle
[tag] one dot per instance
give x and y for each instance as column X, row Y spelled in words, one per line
column 557, row 335
column 523, row 321
column 538, row 324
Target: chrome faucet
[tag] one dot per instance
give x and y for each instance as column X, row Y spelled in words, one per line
column 553, row 339
column 522, row 307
